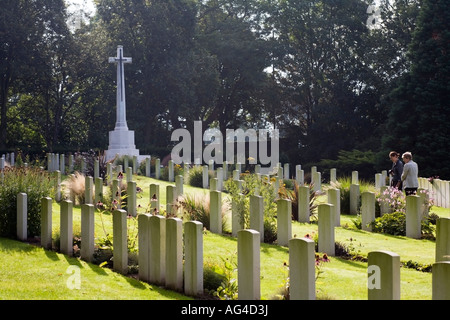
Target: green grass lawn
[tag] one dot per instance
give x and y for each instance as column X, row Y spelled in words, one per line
column 45, row 272
column 29, row 272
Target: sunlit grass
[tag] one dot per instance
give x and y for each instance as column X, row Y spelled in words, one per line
column 339, row 279
column 30, row 272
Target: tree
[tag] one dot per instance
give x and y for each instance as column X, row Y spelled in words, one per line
column 419, row 119
column 323, row 66
column 23, row 26
column 227, row 31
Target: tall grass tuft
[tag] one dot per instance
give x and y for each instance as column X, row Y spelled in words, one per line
column 196, row 208
column 36, row 184
column 74, row 187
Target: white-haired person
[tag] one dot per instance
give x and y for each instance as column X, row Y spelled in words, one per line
column 410, row 174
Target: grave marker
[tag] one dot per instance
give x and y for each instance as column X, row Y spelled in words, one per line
column 62, row 164
column 174, row 254
column 354, row 198
column 171, row 171
column 367, row 210
column 116, row 192
column 333, row 178
column 144, row 244
column 355, row 178
column 179, row 181
column 303, row 204
column 57, row 177
column 257, row 215
column 205, row 176
column 383, row 275
column 22, row 216
column 443, row 239
column 129, row 173
column 157, row 249
column 98, row 190
column 96, row 169
column 154, row 197
column 135, row 164
column 88, row 191
column 302, row 269
column 317, row 187
column 171, row 196
column 284, row 224
column 334, row 198
column 157, row 168
column 131, row 198
column 193, row 252
column 120, row 252
column 237, row 223
column 66, row 227
column 249, row 265
column 413, row 217
column 215, row 211
column 147, row 167
column 46, row 223
column 87, row 232
column 326, row 229
column 441, row 281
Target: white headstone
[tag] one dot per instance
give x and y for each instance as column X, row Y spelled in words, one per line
column 249, row 287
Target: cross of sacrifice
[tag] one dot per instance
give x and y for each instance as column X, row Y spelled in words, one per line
column 120, row 60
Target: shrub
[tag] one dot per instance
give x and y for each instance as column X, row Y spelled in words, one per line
column 36, row 184
column 242, row 199
column 90, row 158
column 391, row 223
column 177, row 170
column 394, row 198
column 221, row 281
column 395, row 224
column 292, row 195
column 195, row 178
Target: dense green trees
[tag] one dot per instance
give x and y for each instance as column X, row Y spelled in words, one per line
column 313, row 69
column 419, row 115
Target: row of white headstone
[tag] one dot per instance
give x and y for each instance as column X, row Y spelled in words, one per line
column 415, row 208
column 162, row 246
column 439, row 188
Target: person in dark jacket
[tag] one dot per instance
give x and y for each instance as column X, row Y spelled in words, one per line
column 396, row 170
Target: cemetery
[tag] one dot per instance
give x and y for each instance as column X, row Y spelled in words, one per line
column 250, row 244
column 247, row 160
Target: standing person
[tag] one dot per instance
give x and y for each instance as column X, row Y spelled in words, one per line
column 410, row 174
column 396, row 170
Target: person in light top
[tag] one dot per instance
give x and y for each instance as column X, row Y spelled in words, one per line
column 410, row 174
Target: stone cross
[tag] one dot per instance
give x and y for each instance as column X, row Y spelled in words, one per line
column 120, row 60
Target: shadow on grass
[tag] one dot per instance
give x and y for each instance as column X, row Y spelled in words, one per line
column 10, row 245
column 52, row 255
column 136, row 283
column 352, row 263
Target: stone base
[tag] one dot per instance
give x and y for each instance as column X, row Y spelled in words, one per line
column 121, row 142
